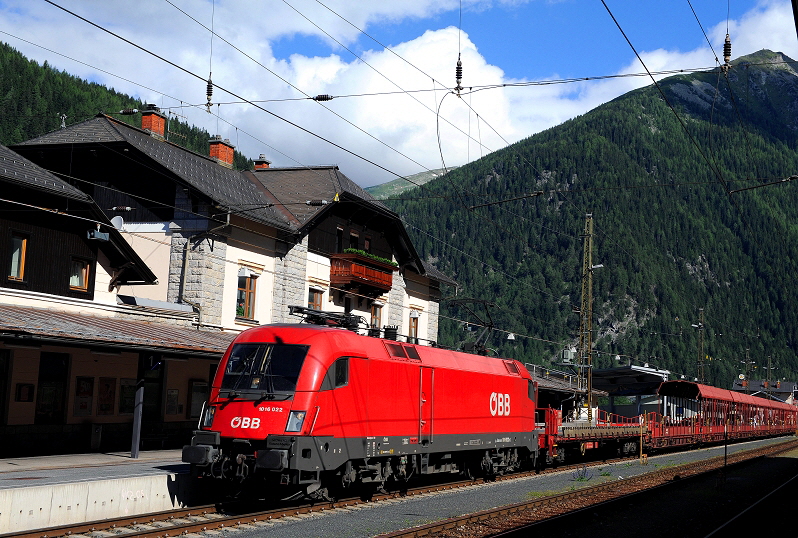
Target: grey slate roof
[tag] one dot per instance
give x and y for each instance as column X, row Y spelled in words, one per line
column 87, row 132
column 109, row 331
column 433, row 272
column 223, row 185
column 15, row 168
column 273, row 196
column 293, row 186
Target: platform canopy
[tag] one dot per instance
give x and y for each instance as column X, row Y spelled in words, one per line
column 631, row 380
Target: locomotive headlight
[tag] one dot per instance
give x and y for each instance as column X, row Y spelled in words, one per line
column 295, row 421
column 207, row 417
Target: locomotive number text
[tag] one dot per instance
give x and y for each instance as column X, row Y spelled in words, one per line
column 499, row 404
column 245, row 422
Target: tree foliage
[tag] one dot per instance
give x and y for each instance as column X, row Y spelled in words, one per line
column 670, row 236
column 34, row 97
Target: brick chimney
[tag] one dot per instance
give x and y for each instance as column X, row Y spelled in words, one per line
column 262, row 163
column 153, row 121
column 222, row 151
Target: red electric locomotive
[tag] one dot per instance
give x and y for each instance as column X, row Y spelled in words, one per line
column 314, row 408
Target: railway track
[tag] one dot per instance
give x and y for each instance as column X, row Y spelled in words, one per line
column 511, row 520
column 214, row 517
column 217, row 517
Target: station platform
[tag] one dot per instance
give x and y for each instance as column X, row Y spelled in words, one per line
column 47, row 491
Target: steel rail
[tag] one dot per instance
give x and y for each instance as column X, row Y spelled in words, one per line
column 211, row 517
column 213, row 514
column 617, row 488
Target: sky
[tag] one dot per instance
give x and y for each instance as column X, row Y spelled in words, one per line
column 405, row 50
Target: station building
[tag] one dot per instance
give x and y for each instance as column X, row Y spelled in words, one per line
column 131, row 261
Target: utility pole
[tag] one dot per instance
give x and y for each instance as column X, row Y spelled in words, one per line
column 586, row 316
column 747, row 363
column 700, row 328
column 769, row 376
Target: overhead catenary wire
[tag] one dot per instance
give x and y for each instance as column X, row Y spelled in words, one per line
column 273, row 114
column 235, row 262
column 318, row 99
column 152, row 201
column 715, row 171
column 647, row 71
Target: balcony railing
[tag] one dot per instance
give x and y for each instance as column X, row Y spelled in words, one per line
column 370, row 276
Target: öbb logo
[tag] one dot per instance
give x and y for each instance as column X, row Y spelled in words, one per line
column 245, row 422
column 499, row 404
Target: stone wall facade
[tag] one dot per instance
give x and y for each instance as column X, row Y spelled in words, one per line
column 200, row 257
column 203, row 264
column 396, row 301
column 432, row 326
column 290, row 274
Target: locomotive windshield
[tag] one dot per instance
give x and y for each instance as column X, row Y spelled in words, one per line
column 263, row 369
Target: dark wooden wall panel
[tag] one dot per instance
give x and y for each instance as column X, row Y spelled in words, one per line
column 322, row 238
column 53, row 241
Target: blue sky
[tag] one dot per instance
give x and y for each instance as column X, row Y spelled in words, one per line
column 535, row 40
column 502, row 41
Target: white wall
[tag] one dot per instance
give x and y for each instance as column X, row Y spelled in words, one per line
column 152, row 242
column 255, row 251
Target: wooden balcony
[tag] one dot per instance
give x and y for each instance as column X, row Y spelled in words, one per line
column 369, row 277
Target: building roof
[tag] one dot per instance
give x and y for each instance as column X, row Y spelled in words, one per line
column 18, row 170
column 29, row 325
column 273, row 196
column 556, row 381
column 294, row 186
column 432, row 272
column 764, row 386
column 15, row 168
column 221, row 184
column 629, row 380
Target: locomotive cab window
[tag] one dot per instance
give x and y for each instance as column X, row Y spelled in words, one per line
column 337, row 375
column 263, row 370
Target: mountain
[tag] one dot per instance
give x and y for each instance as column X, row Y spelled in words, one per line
column 397, row 186
column 33, row 98
column 669, row 235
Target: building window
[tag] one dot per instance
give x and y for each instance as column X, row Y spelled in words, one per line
column 353, row 240
column 376, row 315
column 367, row 244
column 339, row 240
column 79, row 275
column 19, row 246
column 314, row 299
column 413, row 334
column 245, row 300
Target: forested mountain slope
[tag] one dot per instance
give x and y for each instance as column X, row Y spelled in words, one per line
column 670, row 237
column 397, row 186
column 33, row 97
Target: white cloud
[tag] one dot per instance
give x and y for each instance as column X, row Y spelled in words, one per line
column 399, row 121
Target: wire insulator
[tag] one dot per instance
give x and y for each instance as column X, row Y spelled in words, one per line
column 209, row 91
column 727, row 50
column 458, row 73
column 323, row 97
column 129, row 111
